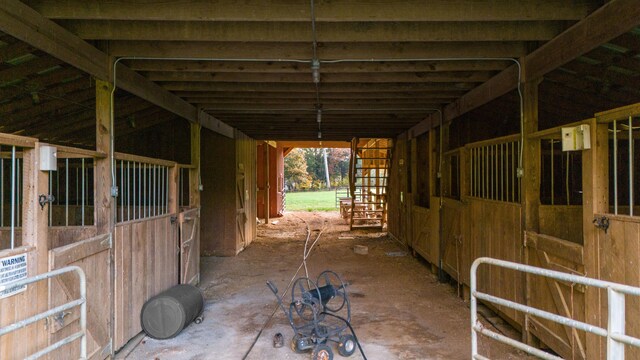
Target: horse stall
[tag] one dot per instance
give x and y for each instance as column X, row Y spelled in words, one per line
column 577, row 214
column 59, row 209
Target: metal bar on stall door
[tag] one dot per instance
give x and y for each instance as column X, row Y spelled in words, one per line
column 501, row 176
column 567, row 180
column 50, row 188
column 128, row 190
column 552, row 174
column 166, row 190
column 83, row 190
column 631, row 150
column 180, row 182
column 482, row 174
column 13, row 196
column 474, row 173
column 66, row 192
column 121, row 190
column 154, row 193
column 18, row 193
column 144, row 190
column 615, row 167
column 134, row 191
column 1, row 191
column 486, row 171
column 495, row 171
column 492, row 180
column 77, row 187
column 514, row 173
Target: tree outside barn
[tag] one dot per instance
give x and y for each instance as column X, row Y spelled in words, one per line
column 304, row 168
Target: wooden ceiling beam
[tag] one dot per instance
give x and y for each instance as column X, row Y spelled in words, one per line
column 325, row 68
column 222, row 108
column 611, row 20
column 325, row 88
column 326, row 51
column 26, row 24
column 248, row 96
column 326, row 32
column 330, row 11
column 327, row 101
column 411, row 77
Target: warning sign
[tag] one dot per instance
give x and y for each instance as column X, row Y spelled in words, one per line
column 12, row 269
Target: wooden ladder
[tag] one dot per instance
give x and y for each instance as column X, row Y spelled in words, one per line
column 368, row 179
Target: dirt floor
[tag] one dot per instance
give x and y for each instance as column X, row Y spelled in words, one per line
column 399, row 309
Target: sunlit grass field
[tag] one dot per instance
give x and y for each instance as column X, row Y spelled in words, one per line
column 311, row 201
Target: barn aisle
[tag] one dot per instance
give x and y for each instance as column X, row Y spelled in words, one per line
column 400, row 311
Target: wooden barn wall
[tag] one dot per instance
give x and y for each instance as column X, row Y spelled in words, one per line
column 276, row 180
column 218, row 199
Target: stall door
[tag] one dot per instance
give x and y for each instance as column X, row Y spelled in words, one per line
column 241, row 216
column 93, row 256
column 189, row 246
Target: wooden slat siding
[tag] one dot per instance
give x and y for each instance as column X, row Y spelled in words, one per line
column 425, row 232
column 619, row 260
column 143, row 159
column 190, row 246
column 246, row 154
column 16, row 251
column 561, row 221
column 595, row 178
column 495, row 232
column 34, row 240
column 92, row 256
column 145, row 265
column 62, row 236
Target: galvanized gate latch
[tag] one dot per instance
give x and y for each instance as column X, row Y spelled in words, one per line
column 44, row 199
column 601, row 222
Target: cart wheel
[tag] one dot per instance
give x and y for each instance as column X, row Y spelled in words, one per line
column 298, row 344
column 322, row 352
column 347, row 345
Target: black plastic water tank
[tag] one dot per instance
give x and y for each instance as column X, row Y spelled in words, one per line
column 168, row 313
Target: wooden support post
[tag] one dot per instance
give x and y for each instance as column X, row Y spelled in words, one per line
column 105, row 220
column 35, row 233
column 194, row 173
column 105, row 208
column 267, row 191
column 174, row 183
column 595, row 171
column 530, row 196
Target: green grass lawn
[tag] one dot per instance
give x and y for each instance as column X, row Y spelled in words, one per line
column 312, row 201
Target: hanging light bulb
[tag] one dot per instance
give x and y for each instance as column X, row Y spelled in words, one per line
column 319, row 134
column 319, row 117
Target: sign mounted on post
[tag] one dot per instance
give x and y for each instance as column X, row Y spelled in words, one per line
column 12, row 269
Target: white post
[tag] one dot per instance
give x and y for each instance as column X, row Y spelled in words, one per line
column 615, row 349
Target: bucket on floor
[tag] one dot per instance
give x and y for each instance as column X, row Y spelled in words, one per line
column 165, row 315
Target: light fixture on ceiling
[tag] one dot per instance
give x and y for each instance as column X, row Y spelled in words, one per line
column 315, row 70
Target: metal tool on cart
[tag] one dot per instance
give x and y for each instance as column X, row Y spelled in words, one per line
column 319, row 312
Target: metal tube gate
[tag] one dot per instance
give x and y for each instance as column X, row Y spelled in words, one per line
column 82, row 302
column 615, row 331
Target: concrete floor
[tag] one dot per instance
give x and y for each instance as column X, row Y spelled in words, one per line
column 399, row 310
